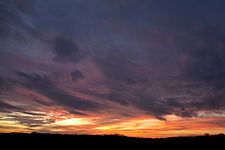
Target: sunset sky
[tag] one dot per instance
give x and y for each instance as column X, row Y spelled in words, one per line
column 143, row 68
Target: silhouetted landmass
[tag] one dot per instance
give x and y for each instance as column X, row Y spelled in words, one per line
column 61, row 140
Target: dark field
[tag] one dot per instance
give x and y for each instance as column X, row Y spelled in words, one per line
column 35, row 140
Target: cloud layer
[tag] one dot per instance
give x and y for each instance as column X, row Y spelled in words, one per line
column 110, row 60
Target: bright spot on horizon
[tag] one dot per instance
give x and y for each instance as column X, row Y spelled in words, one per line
column 73, row 122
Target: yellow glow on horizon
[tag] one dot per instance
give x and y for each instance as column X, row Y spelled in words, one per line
column 175, row 126
column 133, row 125
column 141, row 126
column 73, row 122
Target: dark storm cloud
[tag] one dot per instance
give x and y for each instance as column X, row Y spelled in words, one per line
column 45, row 87
column 76, row 75
column 66, row 50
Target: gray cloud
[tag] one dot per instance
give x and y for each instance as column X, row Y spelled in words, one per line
column 4, row 107
column 76, row 75
column 134, row 80
column 210, row 102
column 206, row 62
column 14, row 18
column 118, row 97
column 3, row 85
column 199, row 80
column 66, row 50
column 204, row 68
column 45, row 87
column 137, row 50
column 31, row 121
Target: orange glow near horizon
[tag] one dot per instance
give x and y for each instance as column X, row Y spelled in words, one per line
column 142, row 126
column 158, row 129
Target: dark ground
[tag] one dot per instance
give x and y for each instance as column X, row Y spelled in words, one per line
column 35, row 140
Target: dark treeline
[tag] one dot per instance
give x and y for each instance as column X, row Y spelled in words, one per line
column 65, row 140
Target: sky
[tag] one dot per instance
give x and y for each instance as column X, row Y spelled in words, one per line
column 143, row 68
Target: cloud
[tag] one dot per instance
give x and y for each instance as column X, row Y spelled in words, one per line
column 204, row 69
column 66, row 50
column 206, row 61
column 4, row 107
column 76, row 75
column 3, row 85
column 31, row 121
column 134, row 80
column 210, row 102
column 14, row 18
column 189, row 70
column 44, row 86
column 118, row 97
column 142, row 57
